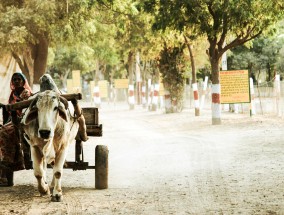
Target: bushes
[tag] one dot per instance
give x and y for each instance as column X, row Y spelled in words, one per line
column 172, row 68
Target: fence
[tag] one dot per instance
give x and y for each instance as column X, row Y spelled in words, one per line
column 267, row 99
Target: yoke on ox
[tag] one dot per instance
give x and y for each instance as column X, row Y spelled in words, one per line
column 49, row 129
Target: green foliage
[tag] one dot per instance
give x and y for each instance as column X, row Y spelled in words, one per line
column 74, row 58
column 232, row 21
column 82, row 32
column 28, row 28
column 264, row 54
column 172, row 68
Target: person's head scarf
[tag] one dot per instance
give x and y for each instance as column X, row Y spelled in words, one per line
column 23, row 77
column 14, row 97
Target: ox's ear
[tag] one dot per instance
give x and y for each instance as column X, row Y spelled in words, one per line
column 32, row 115
column 62, row 112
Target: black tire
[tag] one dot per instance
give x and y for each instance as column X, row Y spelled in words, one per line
column 10, row 177
column 101, row 172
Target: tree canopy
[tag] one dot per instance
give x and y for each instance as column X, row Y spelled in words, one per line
column 231, row 21
column 29, row 27
column 89, row 33
column 226, row 24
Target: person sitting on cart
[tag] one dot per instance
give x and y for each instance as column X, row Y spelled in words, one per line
column 20, row 90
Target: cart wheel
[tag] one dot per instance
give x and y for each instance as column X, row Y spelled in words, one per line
column 10, row 177
column 101, row 172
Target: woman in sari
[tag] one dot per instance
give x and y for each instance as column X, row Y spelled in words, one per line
column 20, row 90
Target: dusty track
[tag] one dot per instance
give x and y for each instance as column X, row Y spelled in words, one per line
column 170, row 164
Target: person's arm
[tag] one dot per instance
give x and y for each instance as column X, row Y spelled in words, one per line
column 25, row 94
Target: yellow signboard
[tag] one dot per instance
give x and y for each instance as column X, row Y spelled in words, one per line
column 121, row 83
column 76, row 76
column 74, row 84
column 103, row 86
column 71, row 88
column 234, row 86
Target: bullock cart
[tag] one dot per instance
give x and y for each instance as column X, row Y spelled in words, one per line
column 93, row 129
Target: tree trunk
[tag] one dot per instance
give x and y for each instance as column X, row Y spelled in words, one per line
column 131, row 99
column 269, row 72
column 26, row 64
column 64, row 77
column 97, row 97
column 194, row 82
column 138, row 78
column 156, row 88
column 215, row 57
column 144, row 84
column 216, row 90
column 29, row 65
column 40, row 58
column 34, row 61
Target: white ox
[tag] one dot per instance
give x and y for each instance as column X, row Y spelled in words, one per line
column 49, row 129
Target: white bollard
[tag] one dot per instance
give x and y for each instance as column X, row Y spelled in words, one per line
column 252, row 102
column 144, row 101
column 203, row 92
column 216, row 106
column 131, row 98
column 97, row 98
column 278, row 91
column 168, row 103
column 155, row 96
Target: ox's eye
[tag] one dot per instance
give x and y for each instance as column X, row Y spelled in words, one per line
column 55, row 108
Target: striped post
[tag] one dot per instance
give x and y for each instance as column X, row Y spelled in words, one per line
column 168, row 103
column 155, row 97
column 97, row 98
column 149, row 94
column 277, row 91
column 131, row 99
column 216, row 105
column 203, row 92
column 252, row 102
column 196, row 99
column 143, row 94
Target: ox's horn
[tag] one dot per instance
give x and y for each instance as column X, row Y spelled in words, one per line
column 33, row 103
column 64, row 101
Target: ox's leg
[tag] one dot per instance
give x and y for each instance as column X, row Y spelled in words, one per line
column 39, row 166
column 57, row 175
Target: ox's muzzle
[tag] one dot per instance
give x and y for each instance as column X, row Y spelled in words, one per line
column 45, row 134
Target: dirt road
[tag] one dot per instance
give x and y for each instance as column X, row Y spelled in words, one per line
column 170, row 164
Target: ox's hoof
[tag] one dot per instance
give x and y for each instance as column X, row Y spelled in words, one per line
column 44, row 192
column 57, row 198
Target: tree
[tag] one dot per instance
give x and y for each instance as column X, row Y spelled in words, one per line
column 172, row 67
column 194, row 81
column 230, row 21
column 71, row 58
column 29, row 27
column 134, row 38
column 263, row 54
